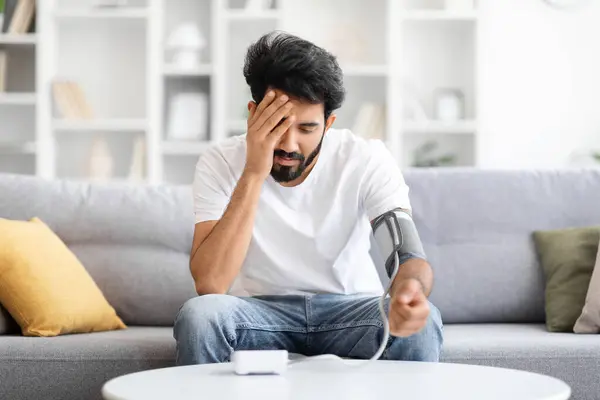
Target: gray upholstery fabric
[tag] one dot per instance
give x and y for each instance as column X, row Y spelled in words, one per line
column 134, row 240
column 476, row 227
column 146, row 285
column 573, row 358
column 76, row 366
column 112, row 214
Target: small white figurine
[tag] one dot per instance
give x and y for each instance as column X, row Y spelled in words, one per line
column 186, row 44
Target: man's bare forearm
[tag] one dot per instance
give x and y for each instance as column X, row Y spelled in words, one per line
column 415, row 268
column 218, row 259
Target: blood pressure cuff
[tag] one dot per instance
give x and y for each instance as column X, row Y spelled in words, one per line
column 396, row 234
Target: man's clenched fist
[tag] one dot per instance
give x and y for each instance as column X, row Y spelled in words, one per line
column 409, row 308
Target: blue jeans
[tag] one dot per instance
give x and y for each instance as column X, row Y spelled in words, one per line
column 209, row 328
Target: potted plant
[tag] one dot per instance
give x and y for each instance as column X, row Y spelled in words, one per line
column 424, row 156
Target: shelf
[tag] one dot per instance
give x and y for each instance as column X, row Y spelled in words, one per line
column 174, row 70
column 243, row 15
column 439, row 15
column 7, row 98
column 12, row 38
column 238, row 126
column 101, row 13
column 184, row 148
column 465, row 127
column 365, row 70
column 17, row 148
column 106, row 125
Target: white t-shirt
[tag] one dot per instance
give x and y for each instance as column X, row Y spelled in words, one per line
column 314, row 237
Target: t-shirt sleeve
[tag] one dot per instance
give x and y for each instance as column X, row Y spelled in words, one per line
column 210, row 192
column 383, row 187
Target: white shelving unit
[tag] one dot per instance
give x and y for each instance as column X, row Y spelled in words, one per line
column 7, row 38
column 438, row 49
column 121, row 60
column 93, row 13
column 439, row 15
column 174, row 70
column 18, row 150
column 242, row 15
column 100, row 125
column 466, row 127
column 182, row 148
column 17, row 99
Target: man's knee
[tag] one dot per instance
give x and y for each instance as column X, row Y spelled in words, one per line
column 204, row 312
column 204, row 329
column 425, row 345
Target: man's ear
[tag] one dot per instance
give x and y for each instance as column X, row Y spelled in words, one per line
column 251, row 108
column 330, row 121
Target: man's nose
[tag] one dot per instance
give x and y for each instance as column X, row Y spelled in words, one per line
column 288, row 142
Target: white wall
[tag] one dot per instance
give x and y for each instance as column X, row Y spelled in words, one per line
column 539, row 83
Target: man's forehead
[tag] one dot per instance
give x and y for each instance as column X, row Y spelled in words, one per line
column 303, row 106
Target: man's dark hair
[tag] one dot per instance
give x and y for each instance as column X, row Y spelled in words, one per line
column 295, row 66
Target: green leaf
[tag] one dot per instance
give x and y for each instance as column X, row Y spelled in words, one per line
column 447, row 160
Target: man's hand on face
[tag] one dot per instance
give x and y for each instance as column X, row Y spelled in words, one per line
column 409, row 308
column 265, row 128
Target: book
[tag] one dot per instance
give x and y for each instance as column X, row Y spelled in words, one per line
column 62, row 101
column 9, row 10
column 83, row 107
column 363, row 116
column 70, row 100
column 100, row 162
column 23, row 17
column 370, row 121
column 136, row 168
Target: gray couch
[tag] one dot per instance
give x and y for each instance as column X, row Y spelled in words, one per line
column 476, row 227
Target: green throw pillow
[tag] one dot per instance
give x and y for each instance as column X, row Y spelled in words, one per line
column 567, row 257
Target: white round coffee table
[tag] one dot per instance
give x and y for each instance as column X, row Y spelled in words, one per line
column 329, row 379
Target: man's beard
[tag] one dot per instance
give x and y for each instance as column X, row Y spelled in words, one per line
column 287, row 173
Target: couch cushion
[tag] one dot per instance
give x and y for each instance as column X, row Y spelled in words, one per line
column 589, row 320
column 476, row 226
column 76, row 366
column 567, row 356
column 567, row 257
column 44, row 286
column 133, row 239
column 146, row 285
column 108, row 213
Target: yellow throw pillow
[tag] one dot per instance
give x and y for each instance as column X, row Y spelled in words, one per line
column 44, row 286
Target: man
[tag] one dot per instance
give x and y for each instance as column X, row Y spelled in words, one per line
column 281, row 255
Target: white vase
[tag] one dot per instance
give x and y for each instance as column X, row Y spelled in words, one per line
column 188, row 117
column 186, row 43
column 186, row 59
column 449, row 105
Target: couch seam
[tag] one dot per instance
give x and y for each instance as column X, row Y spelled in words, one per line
column 557, row 358
column 84, row 359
